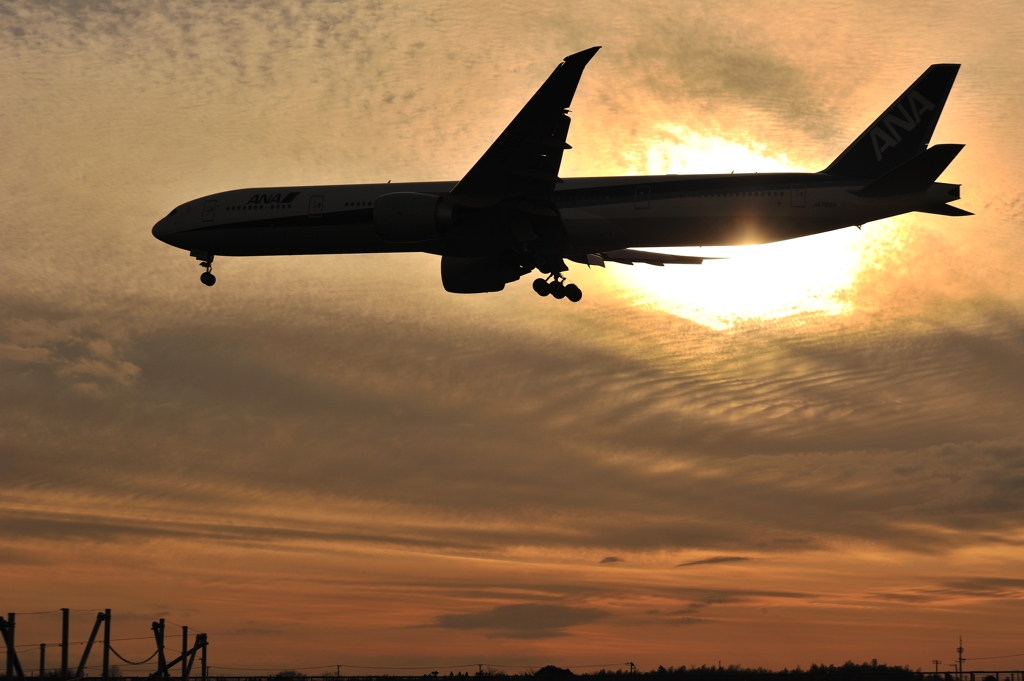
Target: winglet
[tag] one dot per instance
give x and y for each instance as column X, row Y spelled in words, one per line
column 560, row 87
column 583, row 56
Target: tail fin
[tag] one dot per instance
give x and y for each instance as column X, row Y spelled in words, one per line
column 903, row 131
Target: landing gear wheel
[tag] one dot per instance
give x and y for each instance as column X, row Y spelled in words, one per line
column 556, row 287
column 205, row 259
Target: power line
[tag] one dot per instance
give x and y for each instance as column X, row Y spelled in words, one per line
column 78, row 643
column 47, row 612
column 177, row 624
column 134, row 663
column 994, row 657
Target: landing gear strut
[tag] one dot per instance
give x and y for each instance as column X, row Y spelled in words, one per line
column 555, row 286
column 206, row 261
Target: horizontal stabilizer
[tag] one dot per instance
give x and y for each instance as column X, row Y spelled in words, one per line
column 915, row 175
column 946, row 209
column 629, row 256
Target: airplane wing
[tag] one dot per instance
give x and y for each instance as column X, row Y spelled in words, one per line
column 629, row 256
column 523, row 162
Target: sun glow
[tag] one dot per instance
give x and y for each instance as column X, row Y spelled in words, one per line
column 770, row 281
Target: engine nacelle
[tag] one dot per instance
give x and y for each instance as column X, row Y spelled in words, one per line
column 405, row 217
column 477, row 275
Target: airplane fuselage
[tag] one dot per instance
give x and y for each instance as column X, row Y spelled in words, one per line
column 599, row 214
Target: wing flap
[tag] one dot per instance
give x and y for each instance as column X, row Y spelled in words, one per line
column 629, row 256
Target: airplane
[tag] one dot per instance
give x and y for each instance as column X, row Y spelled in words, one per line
column 511, row 214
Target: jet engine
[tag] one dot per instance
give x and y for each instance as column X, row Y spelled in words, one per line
column 405, row 217
column 477, row 275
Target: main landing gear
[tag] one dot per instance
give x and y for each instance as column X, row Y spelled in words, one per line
column 206, row 261
column 555, row 286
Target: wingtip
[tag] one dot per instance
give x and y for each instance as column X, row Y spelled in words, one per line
column 585, row 55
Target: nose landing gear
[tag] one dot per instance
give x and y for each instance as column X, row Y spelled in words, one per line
column 206, row 261
column 555, row 286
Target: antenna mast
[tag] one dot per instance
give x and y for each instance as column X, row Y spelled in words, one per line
column 960, row 658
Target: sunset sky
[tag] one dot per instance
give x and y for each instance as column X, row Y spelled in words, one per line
column 810, row 452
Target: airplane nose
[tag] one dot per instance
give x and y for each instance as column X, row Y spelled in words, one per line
column 165, row 227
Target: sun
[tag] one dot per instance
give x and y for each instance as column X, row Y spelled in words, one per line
column 770, row 281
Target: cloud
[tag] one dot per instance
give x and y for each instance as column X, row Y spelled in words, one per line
column 523, row 620
column 715, row 66
column 973, row 588
column 256, row 631
column 610, row 559
column 268, row 411
column 714, row 560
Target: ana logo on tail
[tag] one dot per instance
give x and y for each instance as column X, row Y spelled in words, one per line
column 917, row 104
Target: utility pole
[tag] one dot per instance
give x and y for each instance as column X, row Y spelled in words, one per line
column 42, row 659
column 936, row 663
column 106, row 644
column 161, row 660
column 13, row 665
column 339, row 670
column 960, row 658
column 10, row 645
column 65, row 626
column 88, row 646
column 184, row 652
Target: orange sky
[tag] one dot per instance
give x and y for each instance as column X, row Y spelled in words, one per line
column 811, row 452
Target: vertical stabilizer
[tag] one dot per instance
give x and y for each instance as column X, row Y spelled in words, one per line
column 903, row 131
